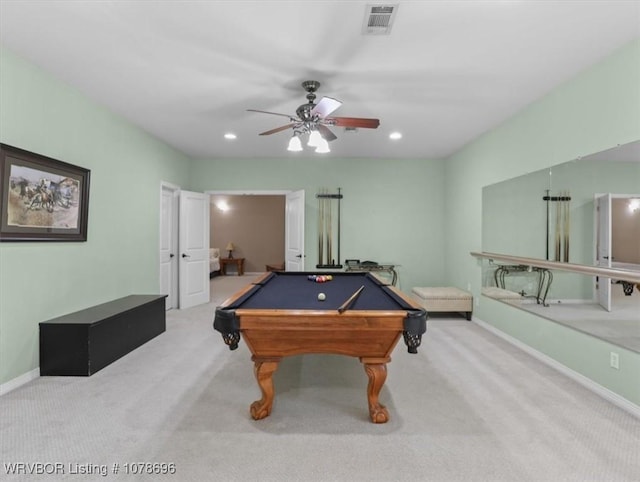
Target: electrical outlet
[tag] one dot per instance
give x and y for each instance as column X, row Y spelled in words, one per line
column 468, row 286
column 614, row 360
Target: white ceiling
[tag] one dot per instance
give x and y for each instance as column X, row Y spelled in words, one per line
column 186, row 71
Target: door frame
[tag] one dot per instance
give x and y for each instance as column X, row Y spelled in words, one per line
column 172, row 301
column 250, row 192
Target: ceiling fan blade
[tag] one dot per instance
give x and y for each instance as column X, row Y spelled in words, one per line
column 326, row 134
column 272, row 113
column 325, row 107
column 353, row 122
column 277, row 129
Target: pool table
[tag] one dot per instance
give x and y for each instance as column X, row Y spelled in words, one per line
column 280, row 314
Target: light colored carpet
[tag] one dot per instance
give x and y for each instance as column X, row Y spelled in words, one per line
column 467, row 407
column 620, row 326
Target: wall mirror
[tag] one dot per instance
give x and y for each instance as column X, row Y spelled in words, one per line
column 586, row 212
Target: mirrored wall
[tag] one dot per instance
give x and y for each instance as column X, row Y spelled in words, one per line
column 556, row 214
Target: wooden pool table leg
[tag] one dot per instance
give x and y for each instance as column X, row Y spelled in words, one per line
column 264, row 369
column 376, row 370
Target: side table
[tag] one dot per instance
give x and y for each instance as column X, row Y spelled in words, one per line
column 239, row 262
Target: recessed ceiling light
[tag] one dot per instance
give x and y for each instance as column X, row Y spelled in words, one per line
column 395, row 136
column 230, row 136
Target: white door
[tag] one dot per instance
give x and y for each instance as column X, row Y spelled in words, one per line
column 194, row 249
column 169, row 246
column 603, row 259
column 294, row 231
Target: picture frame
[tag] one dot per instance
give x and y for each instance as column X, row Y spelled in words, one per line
column 41, row 199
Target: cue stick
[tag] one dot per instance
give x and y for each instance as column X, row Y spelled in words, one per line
column 562, row 222
column 324, row 224
column 339, row 197
column 561, row 204
column 325, row 213
column 558, row 241
column 547, row 227
column 329, row 234
column 320, row 226
column 567, row 226
column 347, row 304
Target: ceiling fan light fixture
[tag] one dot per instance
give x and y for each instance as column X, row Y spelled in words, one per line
column 294, row 144
column 323, row 147
column 315, row 139
column 314, row 120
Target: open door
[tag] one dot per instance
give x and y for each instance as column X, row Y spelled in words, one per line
column 194, row 249
column 294, row 231
column 169, row 245
column 603, row 249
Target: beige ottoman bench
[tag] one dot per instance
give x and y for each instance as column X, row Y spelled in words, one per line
column 444, row 299
column 502, row 295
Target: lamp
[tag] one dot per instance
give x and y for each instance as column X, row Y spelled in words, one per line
column 314, row 139
column 294, row 144
column 323, row 147
column 230, row 247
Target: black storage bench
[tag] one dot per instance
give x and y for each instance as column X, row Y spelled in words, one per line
column 81, row 343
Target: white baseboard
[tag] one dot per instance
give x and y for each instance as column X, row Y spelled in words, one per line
column 19, row 381
column 551, row 301
column 604, row 392
column 576, row 301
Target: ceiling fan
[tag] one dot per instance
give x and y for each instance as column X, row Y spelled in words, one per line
column 315, row 120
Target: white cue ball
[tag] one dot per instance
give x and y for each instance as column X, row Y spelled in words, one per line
column 321, row 296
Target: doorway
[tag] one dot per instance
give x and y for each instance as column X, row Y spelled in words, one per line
column 264, row 227
column 183, row 247
column 254, row 225
column 616, row 235
column 169, row 244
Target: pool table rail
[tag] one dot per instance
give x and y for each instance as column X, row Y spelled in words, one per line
column 357, row 334
column 245, row 290
column 230, row 322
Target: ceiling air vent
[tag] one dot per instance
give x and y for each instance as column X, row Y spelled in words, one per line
column 378, row 19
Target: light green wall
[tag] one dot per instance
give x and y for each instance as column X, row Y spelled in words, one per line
column 592, row 112
column 517, row 204
column 39, row 281
column 424, row 215
column 392, row 210
column 514, row 215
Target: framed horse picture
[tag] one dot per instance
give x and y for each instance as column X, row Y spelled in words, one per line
column 41, row 199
